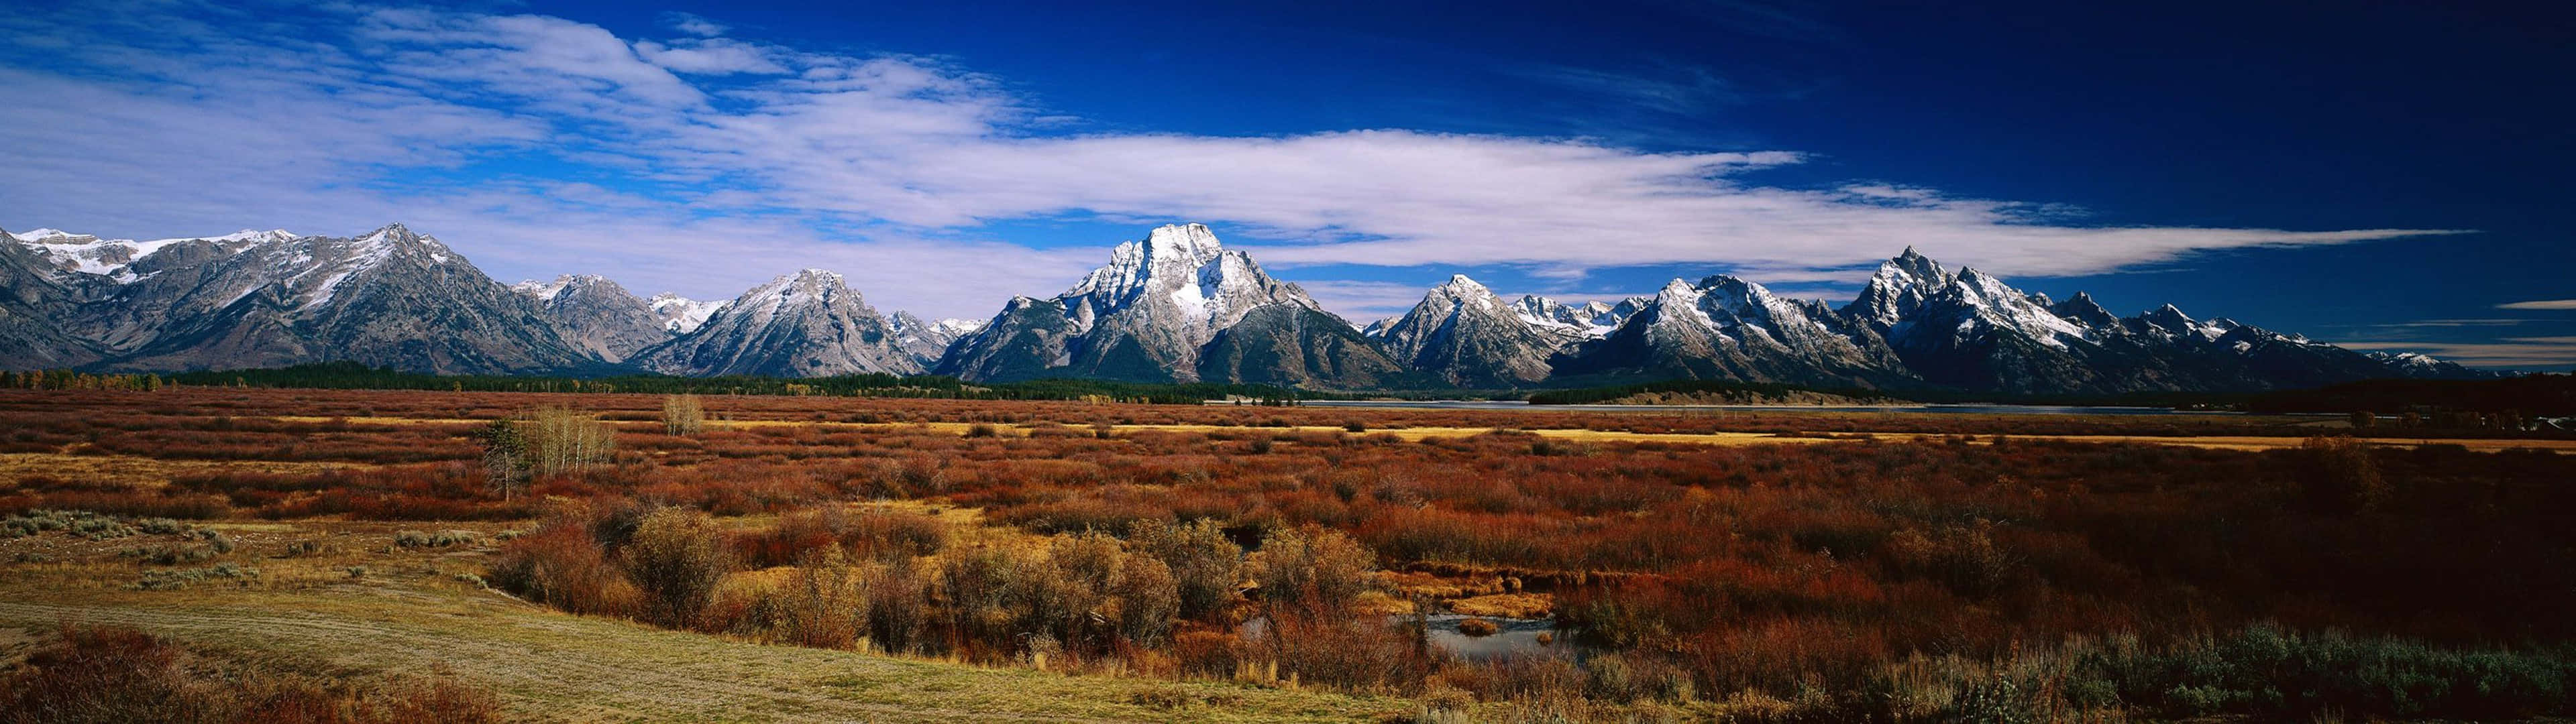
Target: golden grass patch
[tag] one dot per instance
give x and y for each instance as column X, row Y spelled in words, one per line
column 1506, row 605
column 144, row 472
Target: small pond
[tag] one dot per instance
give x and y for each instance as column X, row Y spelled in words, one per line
column 1518, row 638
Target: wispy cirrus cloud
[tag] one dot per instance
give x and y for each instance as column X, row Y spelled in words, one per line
column 2540, row 304
column 1678, row 90
column 708, row 161
column 2456, row 323
column 2529, row 353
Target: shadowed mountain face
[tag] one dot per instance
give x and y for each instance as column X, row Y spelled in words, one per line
column 1175, row 306
column 1156, row 309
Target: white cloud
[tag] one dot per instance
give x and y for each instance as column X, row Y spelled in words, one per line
column 710, row 57
column 2542, row 304
column 693, row 25
column 539, row 144
column 556, row 64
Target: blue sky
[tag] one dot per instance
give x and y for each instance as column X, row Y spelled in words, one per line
column 2387, row 178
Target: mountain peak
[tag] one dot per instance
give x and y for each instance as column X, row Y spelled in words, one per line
column 802, row 284
column 2081, row 309
column 1914, row 266
column 1459, row 284
column 394, row 230
column 256, row 235
column 2168, row 316
column 1171, row 256
column 1155, row 308
column 1189, row 241
column 1898, row 289
column 576, row 284
column 543, row 290
column 1677, row 288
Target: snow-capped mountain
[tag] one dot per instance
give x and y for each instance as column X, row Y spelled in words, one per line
column 110, row 259
column 1464, row 334
column 1971, row 330
column 1590, row 319
column 807, row 324
column 927, row 341
column 1174, row 306
column 269, row 298
column 1728, row 328
column 2424, row 366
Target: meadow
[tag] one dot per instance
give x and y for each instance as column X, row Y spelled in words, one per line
column 371, row 556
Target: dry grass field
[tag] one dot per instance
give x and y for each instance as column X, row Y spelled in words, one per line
column 409, row 614
column 835, row 559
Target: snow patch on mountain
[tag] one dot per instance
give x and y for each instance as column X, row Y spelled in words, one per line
column 110, row 258
column 682, row 315
column 543, row 291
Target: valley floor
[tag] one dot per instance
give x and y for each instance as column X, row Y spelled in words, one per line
column 1728, row 562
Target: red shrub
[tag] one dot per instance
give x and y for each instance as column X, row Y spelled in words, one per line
column 560, row 564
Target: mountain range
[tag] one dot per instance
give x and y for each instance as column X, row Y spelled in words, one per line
column 1175, row 306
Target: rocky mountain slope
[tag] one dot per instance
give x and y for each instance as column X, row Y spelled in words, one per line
column 597, row 315
column 33, row 309
column 269, row 298
column 926, row 341
column 1466, row 335
column 807, row 324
